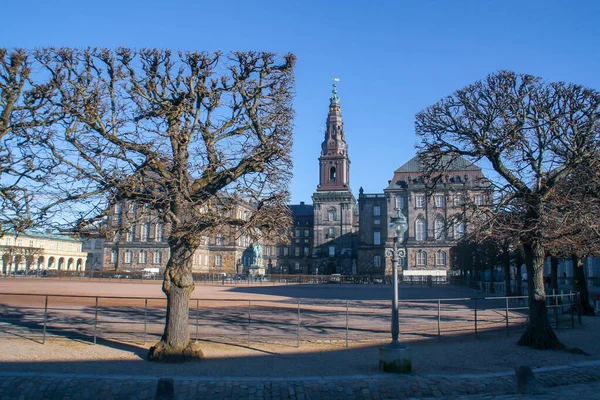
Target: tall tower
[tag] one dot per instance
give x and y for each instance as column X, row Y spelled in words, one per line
column 335, row 210
column 334, row 164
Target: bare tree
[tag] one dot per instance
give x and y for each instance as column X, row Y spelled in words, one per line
column 187, row 134
column 533, row 135
column 23, row 106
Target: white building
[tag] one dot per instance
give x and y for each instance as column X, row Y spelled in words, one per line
column 31, row 251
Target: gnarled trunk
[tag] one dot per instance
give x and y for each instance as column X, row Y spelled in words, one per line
column 580, row 285
column 539, row 333
column 178, row 285
column 554, row 273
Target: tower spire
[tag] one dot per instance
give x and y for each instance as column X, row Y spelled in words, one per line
column 334, row 161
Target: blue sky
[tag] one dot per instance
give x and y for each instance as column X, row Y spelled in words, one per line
column 393, row 58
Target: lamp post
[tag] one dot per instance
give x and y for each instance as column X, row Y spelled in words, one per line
column 395, row 357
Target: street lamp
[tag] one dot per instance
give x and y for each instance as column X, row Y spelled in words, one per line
column 395, row 357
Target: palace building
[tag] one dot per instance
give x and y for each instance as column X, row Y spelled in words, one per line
column 336, row 234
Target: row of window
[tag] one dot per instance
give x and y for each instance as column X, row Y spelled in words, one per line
column 144, row 230
column 143, row 257
column 458, row 229
column 51, row 244
column 421, row 259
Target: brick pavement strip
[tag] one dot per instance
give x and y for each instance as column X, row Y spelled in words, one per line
column 556, row 383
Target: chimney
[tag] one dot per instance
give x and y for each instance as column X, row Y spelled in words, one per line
column 301, row 203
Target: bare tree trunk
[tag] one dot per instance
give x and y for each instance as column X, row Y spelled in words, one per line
column 175, row 344
column 506, row 267
column 554, row 272
column 539, row 333
column 580, row 285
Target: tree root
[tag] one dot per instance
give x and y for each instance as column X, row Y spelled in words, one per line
column 165, row 353
column 541, row 340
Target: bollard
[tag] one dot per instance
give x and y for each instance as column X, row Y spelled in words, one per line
column 45, row 319
column 165, row 389
column 96, row 320
column 145, row 318
column 346, row 323
column 597, row 303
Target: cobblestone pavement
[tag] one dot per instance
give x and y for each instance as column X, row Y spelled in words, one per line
column 553, row 383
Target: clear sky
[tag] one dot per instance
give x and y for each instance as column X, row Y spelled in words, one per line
column 393, row 58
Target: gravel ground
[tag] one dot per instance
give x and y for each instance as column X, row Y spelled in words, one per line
column 451, row 356
column 458, row 355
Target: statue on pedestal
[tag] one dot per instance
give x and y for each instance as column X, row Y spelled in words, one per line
column 256, row 254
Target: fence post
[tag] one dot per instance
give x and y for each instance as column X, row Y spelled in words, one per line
column 145, row 318
column 346, row 323
column 298, row 326
column 475, row 317
column 45, row 319
column 249, row 319
column 96, row 320
column 197, row 319
column 439, row 319
column 507, row 316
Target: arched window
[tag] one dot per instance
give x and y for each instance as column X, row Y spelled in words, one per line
column 420, row 229
column 331, row 214
column 158, row 232
column 128, row 256
column 130, row 234
column 157, row 257
column 142, row 257
column 144, row 232
column 459, row 230
column 440, row 229
column 377, row 261
column 440, row 258
column 332, row 174
column 421, row 258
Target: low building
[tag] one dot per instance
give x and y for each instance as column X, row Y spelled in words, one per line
column 32, row 252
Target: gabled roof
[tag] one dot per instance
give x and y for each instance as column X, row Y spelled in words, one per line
column 452, row 163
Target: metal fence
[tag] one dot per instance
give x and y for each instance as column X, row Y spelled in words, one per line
column 137, row 319
column 219, row 278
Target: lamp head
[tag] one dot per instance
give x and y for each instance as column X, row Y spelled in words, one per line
column 398, row 224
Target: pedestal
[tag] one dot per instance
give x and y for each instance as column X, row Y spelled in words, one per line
column 395, row 358
column 256, row 270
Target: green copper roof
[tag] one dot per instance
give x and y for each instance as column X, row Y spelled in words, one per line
column 334, row 99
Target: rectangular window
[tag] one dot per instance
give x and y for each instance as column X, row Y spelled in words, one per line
column 400, row 203
column 331, row 233
column 376, row 238
column 128, row 257
column 286, row 251
column 440, row 201
column 478, row 199
column 218, row 261
column 331, row 251
column 376, row 211
column 306, row 252
column 20, row 242
column 297, row 251
column 306, row 233
column 297, row 232
column 8, row 241
column 219, row 239
column 297, row 266
column 113, row 256
column 459, row 200
column 31, row 243
column 118, row 208
column 419, row 201
column 376, row 222
column 142, row 257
